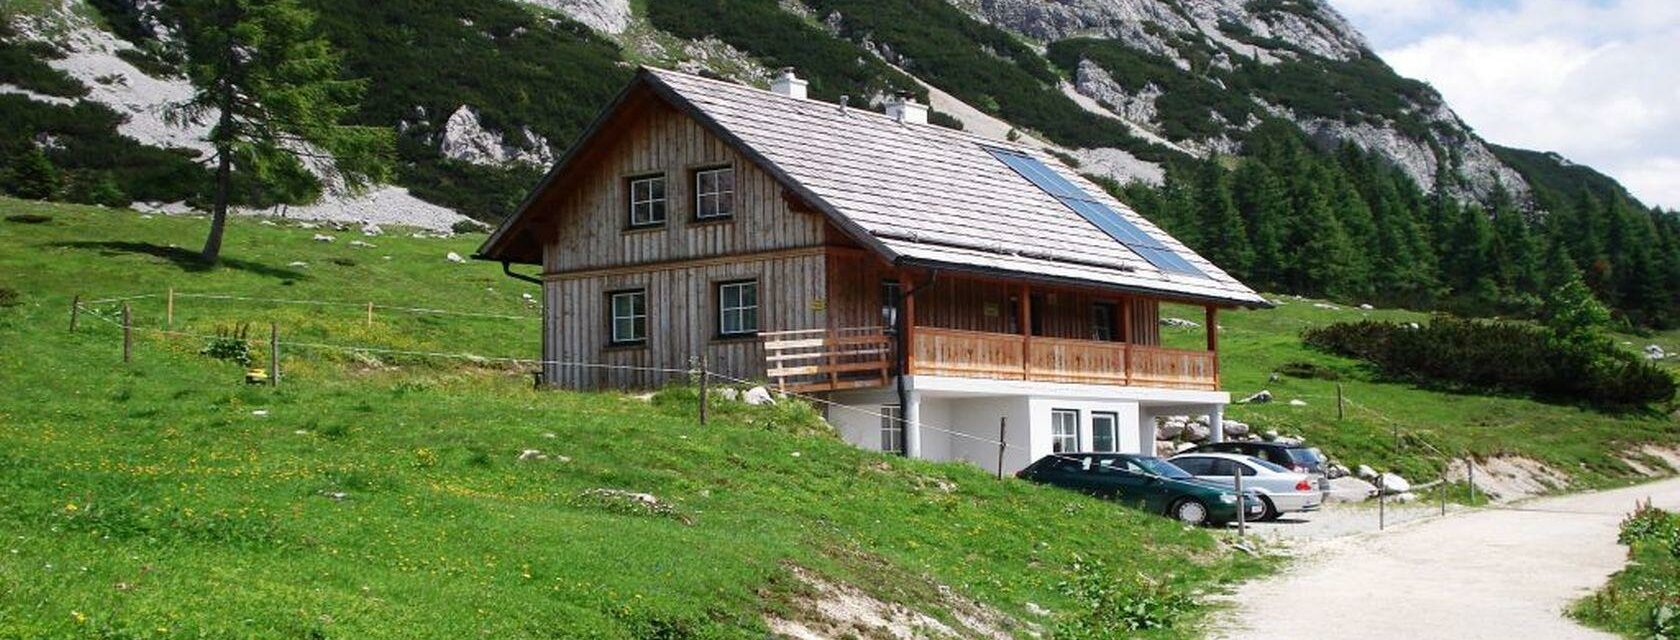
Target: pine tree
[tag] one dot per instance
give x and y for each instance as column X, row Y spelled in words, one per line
column 1265, row 206
column 1320, row 261
column 33, row 176
column 1224, row 237
column 270, row 88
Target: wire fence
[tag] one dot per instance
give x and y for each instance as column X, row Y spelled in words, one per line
column 124, row 323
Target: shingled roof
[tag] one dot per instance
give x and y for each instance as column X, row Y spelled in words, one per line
column 920, row 194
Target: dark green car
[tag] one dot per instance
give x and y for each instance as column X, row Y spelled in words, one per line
column 1147, row 482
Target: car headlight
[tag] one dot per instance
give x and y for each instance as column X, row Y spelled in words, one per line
column 1228, row 498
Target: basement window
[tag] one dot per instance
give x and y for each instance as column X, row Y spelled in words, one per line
column 1064, row 431
column 892, row 429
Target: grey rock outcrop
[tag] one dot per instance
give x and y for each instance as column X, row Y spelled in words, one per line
column 609, row 16
column 465, row 138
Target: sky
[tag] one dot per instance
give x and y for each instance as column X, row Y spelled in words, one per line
column 1597, row 81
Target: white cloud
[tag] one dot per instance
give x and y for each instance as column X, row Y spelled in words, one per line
column 1595, row 81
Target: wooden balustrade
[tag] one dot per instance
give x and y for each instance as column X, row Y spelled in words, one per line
column 1174, row 368
column 968, row 354
column 827, row 359
column 830, row 359
column 1078, row 361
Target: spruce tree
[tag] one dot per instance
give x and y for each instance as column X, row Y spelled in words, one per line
column 271, row 89
column 1223, row 237
column 33, row 176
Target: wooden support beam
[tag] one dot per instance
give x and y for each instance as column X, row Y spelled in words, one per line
column 1126, row 337
column 1212, row 324
column 1026, row 331
column 907, row 323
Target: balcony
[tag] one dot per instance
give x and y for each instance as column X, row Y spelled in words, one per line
column 831, row 359
column 1002, row 356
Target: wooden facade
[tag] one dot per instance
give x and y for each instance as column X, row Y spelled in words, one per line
column 820, row 295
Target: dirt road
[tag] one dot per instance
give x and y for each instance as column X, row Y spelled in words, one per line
column 1489, row 573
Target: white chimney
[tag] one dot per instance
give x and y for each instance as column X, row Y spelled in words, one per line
column 788, row 84
column 904, row 108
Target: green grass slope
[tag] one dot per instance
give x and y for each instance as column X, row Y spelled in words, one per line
column 381, row 496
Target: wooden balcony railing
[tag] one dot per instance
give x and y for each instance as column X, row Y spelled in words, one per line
column 830, row 359
column 1003, row 356
column 827, row 359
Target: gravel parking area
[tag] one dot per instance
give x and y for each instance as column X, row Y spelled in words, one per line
column 1503, row 572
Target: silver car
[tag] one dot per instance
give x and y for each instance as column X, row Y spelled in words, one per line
column 1282, row 491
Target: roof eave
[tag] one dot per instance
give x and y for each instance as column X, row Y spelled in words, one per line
column 1258, row 302
column 491, row 245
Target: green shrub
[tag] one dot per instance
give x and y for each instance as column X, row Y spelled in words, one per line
column 1498, row 356
column 466, row 226
column 9, row 297
column 28, row 218
column 1111, row 605
column 230, row 344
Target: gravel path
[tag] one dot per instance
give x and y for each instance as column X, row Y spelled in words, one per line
column 1487, row 573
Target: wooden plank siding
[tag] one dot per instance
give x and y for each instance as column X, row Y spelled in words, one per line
column 590, row 251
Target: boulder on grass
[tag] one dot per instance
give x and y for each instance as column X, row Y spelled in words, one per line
column 1393, row 483
column 1262, row 397
column 1234, row 428
column 1366, row 472
column 1351, row 490
column 757, row 396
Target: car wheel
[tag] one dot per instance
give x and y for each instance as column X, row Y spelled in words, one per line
column 1189, row 511
column 1271, row 513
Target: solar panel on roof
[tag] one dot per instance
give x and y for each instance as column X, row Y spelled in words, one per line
column 1093, row 210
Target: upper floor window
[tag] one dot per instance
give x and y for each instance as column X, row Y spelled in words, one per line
column 629, row 316
column 647, row 201
column 1102, row 321
column 738, row 308
column 714, row 193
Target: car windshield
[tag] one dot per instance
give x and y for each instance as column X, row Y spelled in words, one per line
column 1303, row 456
column 1269, row 466
column 1161, row 467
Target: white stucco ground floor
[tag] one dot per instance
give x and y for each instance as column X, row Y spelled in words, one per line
column 941, row 418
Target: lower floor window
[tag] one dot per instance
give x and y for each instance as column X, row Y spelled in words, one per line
column 892, row 428
column 1064, row 431
column 1105, row 432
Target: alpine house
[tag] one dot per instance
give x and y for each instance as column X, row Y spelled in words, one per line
column 933, row 285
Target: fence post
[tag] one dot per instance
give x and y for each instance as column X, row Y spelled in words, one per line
column 370, row 315
column 273, row 354
column 128, row 333
column 1339, row 411
column 169, row 310
column 1003, row 428
column 704, row 376
column 1382, row 503
column 75, row 311
column 1242, row 507
column 1470, row 477
column 1444, row 486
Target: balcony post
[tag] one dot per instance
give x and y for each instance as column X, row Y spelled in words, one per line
column 1025, row 313
column 1212, row 322
column 1216, row 423
column 906, row 324
column 1126, row 337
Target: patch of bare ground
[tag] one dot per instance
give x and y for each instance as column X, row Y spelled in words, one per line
column 826, row 609
column 1506, row 478
column 1651, row 456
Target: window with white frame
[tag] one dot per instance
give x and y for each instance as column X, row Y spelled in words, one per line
column 1064, row 431
column 1105, row 432
column 892, row 429
column 629, row 316
column 714, row 193
column 647, row 201
column 738, row 308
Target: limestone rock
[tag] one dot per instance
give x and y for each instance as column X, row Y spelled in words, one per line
column 455, row 258
column 1262, row 397
column 757, row 396
column 465, row 138
column 1393, row 483
column 1351, row 490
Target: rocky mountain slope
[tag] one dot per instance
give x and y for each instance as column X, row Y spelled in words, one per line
column 485, row 92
